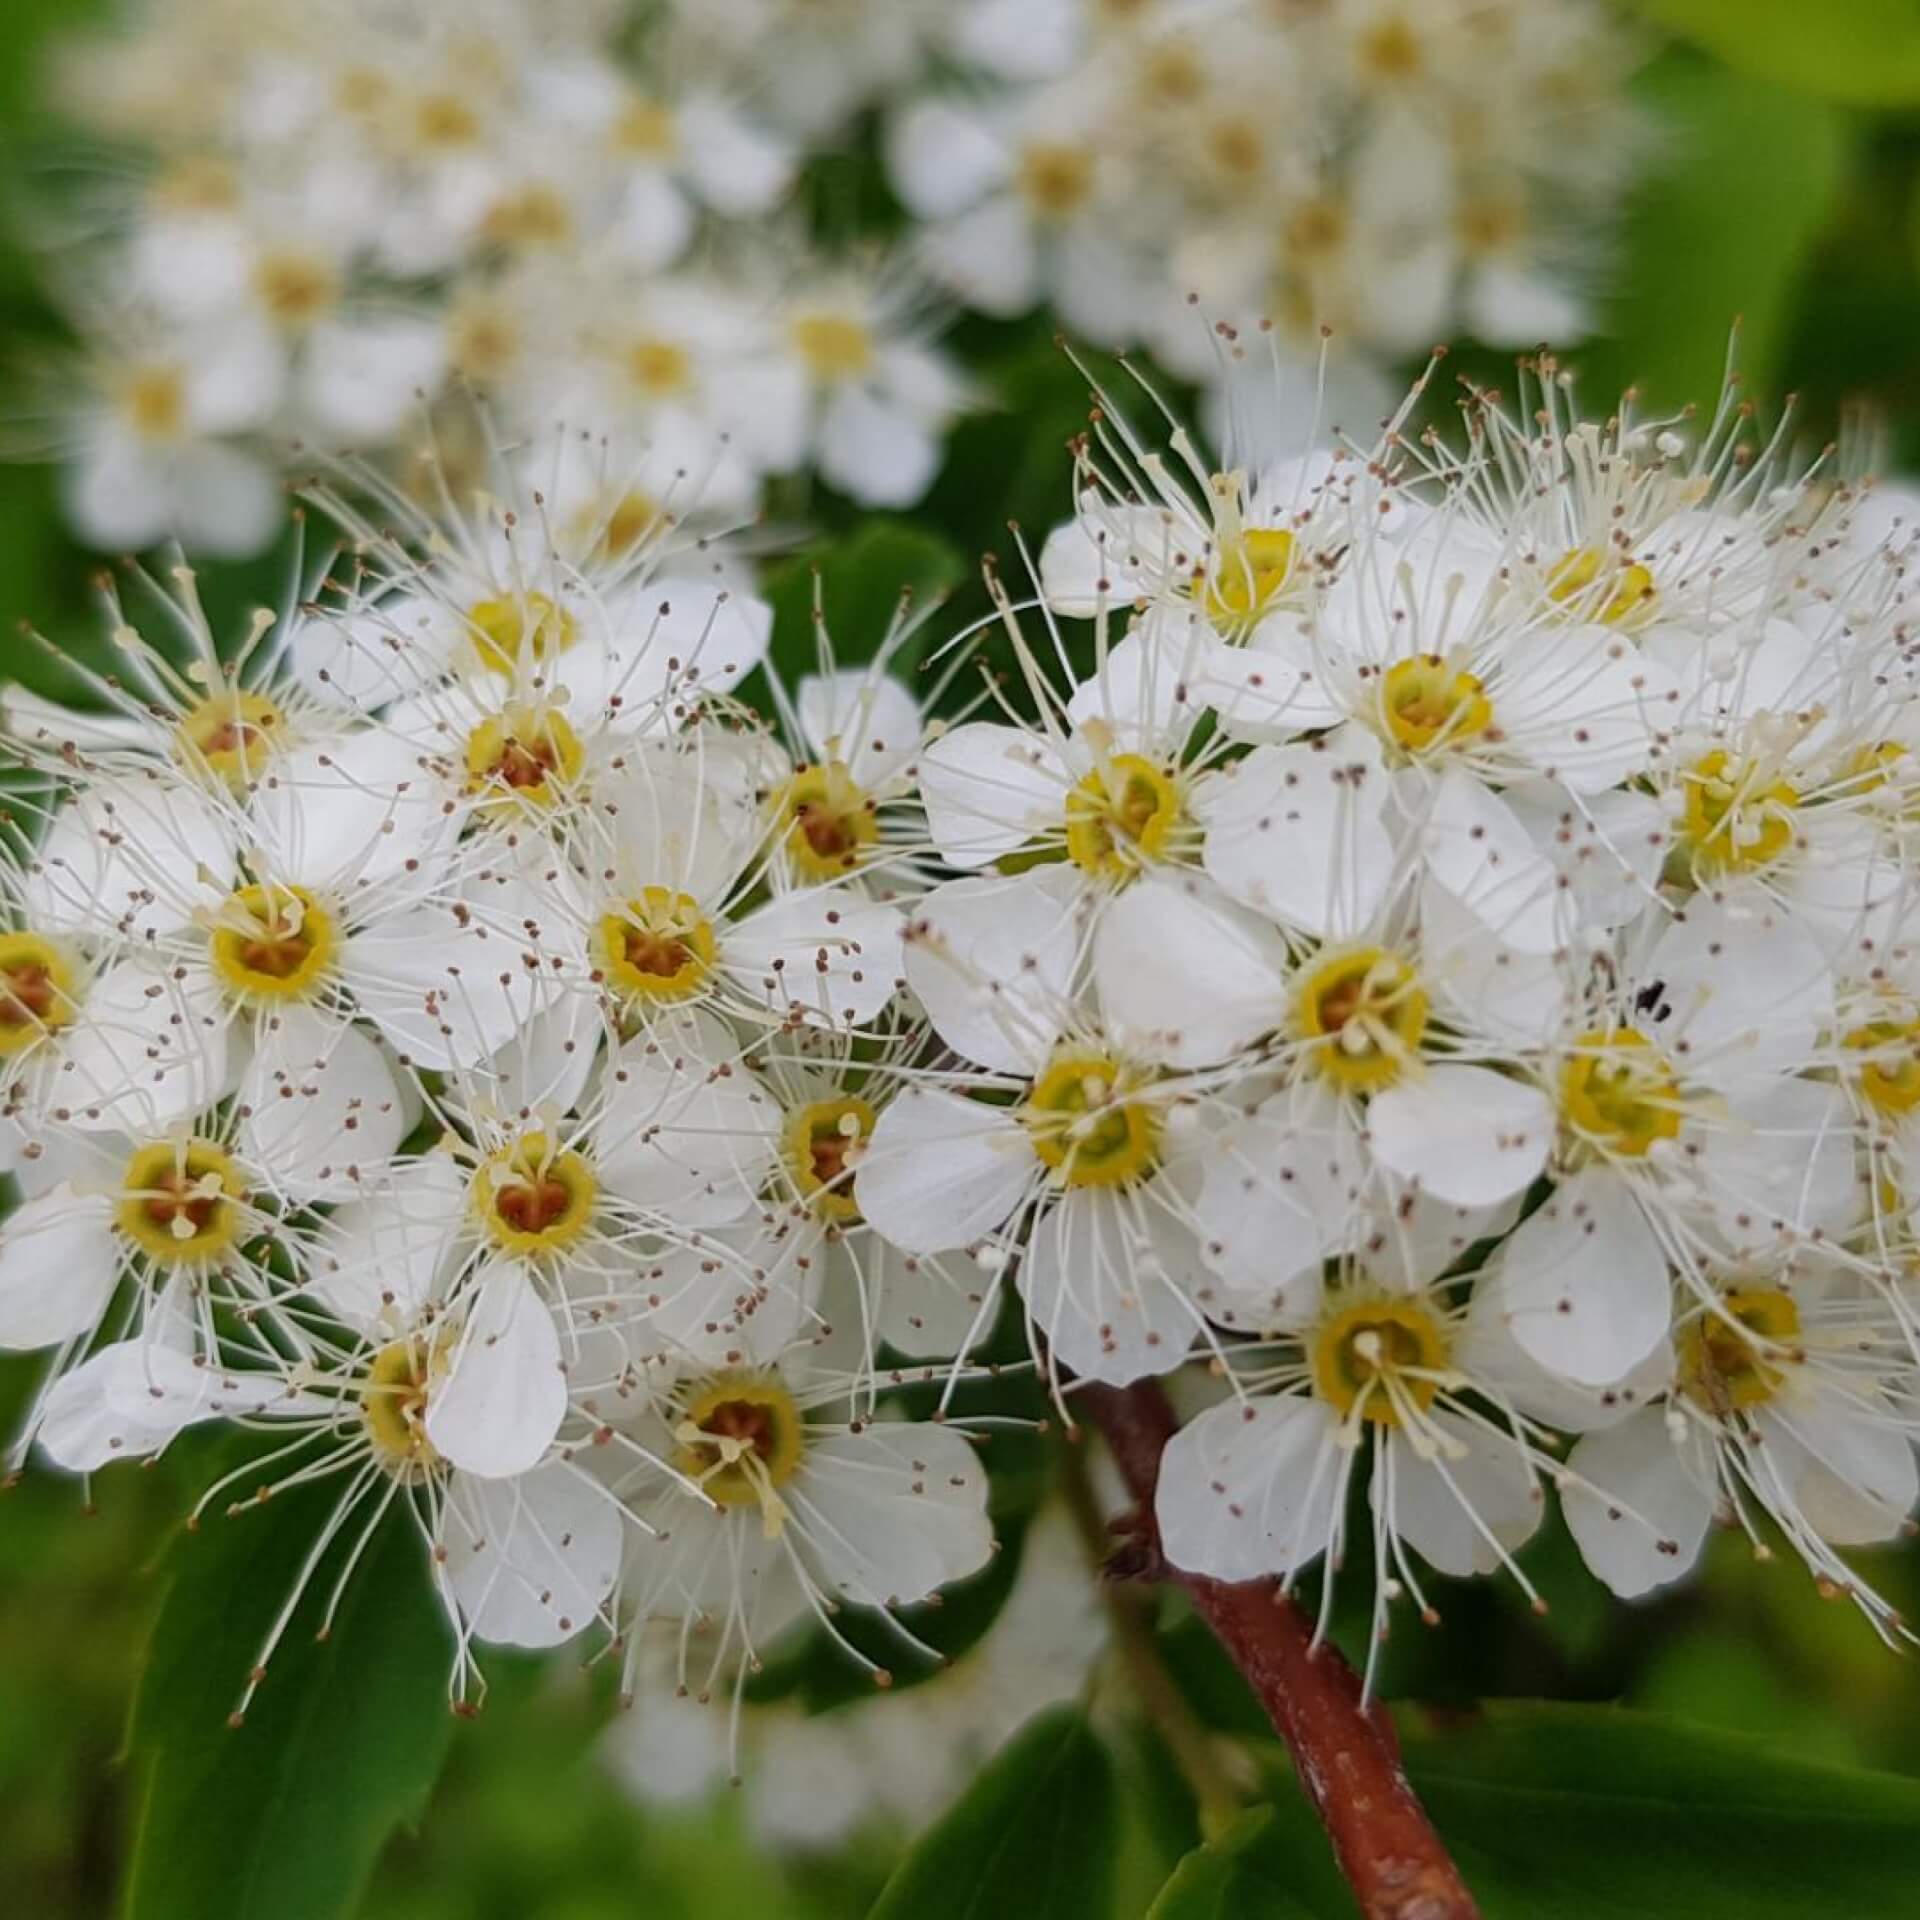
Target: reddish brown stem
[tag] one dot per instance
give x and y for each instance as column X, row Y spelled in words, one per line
column 1345, row 1754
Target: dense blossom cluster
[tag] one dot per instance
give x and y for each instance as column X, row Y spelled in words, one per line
column 375, row 208
column 1426, row 937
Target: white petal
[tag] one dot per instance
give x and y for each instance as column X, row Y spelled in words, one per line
column 1251, row 1488
column 59, row 1260
column 1852, row 1475
column 497, row 1410
column 532, row 1560
column 1138, row 690
column 1184, row 975
column 1101, row 1292
column 382, row 1255
column 876, row 453
column 1749, row 988
column 686, row 1131
column 1281, row 1192
column 350, row 811
column 129, row 857
column 1465, row 1134
column 942, row 158
column 1640, row 1518
column 363, row 380
column 826, row 955
column 987, row 255
column 993, row 962
column 318, row 1104
column 1586, row 1281
column 1583, row 705
column 148, row 1049
column 1481, row 854
column 1297, row 832
column 893, row 1512
column 867, row 720
column 1446, row 1507
column 940, row 1172
column 990, row 789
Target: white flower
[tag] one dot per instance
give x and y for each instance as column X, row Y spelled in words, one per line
column 1787, row 1400
column 1258, row 1484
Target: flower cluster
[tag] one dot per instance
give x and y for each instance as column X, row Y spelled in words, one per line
column 1424, row 935
column 374, row 209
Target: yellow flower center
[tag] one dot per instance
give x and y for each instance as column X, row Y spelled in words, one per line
column 1424, row 703
column 826, row 821
column 273, row 943
column 1889, row 1075
column 658, row 947
column 532, row 1198
column 822, row 1143
column 835, row 346
column 1736, row 816
column 153, row 402
column 393, row 1405
column 1121, row 816
column 742, row 1439
column 1088, row 1122
column 1618, row 1092
column 1248, row 577
column 1738, row 1357
column 523, row 758
column 1624, row 594
column 37, row 990
column 180, row 1202
column 536, row 216
column 513, row 629
column 1054, row 178
column 646, row 128
column 295, row 288
column 1315, row 229
column 1380, row 1360
column 229, row 736
column 1363, row 1013
column 445, row 120
column 659, row 368
column 1390, row 50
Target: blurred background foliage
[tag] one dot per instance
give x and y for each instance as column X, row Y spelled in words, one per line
column 1784, row 188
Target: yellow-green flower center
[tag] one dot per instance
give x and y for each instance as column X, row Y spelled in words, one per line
column 1380, row 1360
column 1089, row 1122
column 273, row 943
column 38, row 985
column 1618, row 1092
column 532, row 1197
column 821, row 1143
column 181, row 1202
column 657, row 947
column 1737, row 1356
column 1121, row 816
column 1425, row 703
column 1363, row 1013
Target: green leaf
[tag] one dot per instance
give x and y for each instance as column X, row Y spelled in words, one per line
column 1716, row 233
column 1596, row 1813
column 860, row 582
column 1243, row 1875
column 284, row 1817
column 1036, row 1833
column 1864, row 53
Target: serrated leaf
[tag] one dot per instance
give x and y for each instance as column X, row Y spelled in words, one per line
column 1717, row 231
column 1036, row 1833
column 861, row 582
column 283, row 1817
column 1864, row 53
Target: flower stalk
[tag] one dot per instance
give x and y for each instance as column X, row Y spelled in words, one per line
column 1344, row 1751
